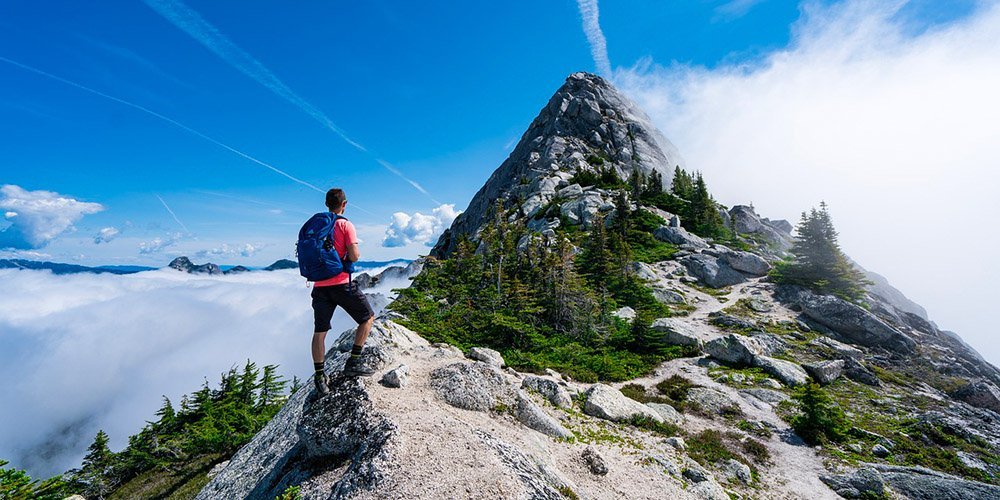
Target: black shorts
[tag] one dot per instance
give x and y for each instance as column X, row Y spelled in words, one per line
column 325, row 300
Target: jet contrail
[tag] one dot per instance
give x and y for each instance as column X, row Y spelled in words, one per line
column 170, row 121
column 172, row 214
column 190, row 22
column 388, row 166
column 595, row 37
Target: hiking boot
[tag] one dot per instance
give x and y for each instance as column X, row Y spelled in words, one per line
column 321, row 384
column 354, row 368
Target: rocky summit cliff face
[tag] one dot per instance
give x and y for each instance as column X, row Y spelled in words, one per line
column 586, row 120
column 434, row 422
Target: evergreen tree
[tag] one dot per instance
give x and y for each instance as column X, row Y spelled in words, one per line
column 247, row 384
column 167, row 416
column 682, row 185
column 819, row 419
column 704, row 214
column 818, row 262
column 637, row 183
column 296, row 385
column 654, row 185
column 95, row 473
column 272, row 387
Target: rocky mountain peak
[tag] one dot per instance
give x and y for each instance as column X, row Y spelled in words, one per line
column 587, row 125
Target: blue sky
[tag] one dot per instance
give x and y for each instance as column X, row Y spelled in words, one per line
column 440, row 93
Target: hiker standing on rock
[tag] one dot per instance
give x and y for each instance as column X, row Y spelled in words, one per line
column 327, row 250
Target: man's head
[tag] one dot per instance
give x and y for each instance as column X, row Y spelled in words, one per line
column 336, row 200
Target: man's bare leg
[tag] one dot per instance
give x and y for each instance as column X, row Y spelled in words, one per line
column 361, row 334
column 318, row 346
column 318, row 350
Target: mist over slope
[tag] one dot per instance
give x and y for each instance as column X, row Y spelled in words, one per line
column 84, row 352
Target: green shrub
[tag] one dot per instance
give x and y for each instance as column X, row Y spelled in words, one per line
column 290, row 493
column 819, row 417
column 665, row 429
column 675, row 387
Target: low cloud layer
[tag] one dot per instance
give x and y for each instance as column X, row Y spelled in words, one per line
column 891, row 121
column 37, row 217
column 419, row 228
column 84, row 352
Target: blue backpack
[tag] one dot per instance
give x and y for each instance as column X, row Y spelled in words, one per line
column 318, row 259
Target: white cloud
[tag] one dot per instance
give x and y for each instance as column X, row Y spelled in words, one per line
column 38, row 217
column 894, row 126
column 226, row 250
column 157, row 244
column 419, row 228
column 105, row 235
column 595, row 37
column 85, row 352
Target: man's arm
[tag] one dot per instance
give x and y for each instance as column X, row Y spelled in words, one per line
column 353, row 253
column 351, row 242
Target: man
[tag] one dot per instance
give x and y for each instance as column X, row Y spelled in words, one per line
column 338, row 291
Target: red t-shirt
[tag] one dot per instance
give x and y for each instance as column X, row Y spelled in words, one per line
column 343, row 235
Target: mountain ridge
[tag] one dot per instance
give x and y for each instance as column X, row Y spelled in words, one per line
column 711, row 421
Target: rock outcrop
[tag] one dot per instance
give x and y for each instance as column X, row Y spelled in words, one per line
column 586, row 123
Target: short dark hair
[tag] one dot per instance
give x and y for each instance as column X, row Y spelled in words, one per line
column 335, row 198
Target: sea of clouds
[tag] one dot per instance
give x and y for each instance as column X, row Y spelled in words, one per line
column 84, row 352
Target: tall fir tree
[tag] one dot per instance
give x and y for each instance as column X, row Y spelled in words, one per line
column 819, row 263
column 682, row 185
column 95, row 475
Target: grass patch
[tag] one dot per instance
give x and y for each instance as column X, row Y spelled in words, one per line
column 675, row 387
column 718, row 293
column 638, row 393
column 710, row 447
column 184, row 481
column 665, row 429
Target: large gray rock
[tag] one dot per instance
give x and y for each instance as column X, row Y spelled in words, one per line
column 669, row 413
column 789, row 373
column 736, row 470
column 734, row 349
column 626, row 313
column 981, row 394
column 397, row 377
column 533, row 417
column 825, row 372
column 679, row 236
column 585, row 208
column 311, row 437
column 849, row 320
column 839, row 348
column 746, row 221
column 711, row 400
column 587, row 121
column 550, row 389
column 919, row 483
column 643, row 271
column 856, row 371
column 676, row 332
column 766, row 395
column 595, row 462
column 610, row 404
column 472, row 386
column 865, row 482
column 487, row 355
column 747, row 262
column 711, row 271
column 668, row 296
column 728, row 321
